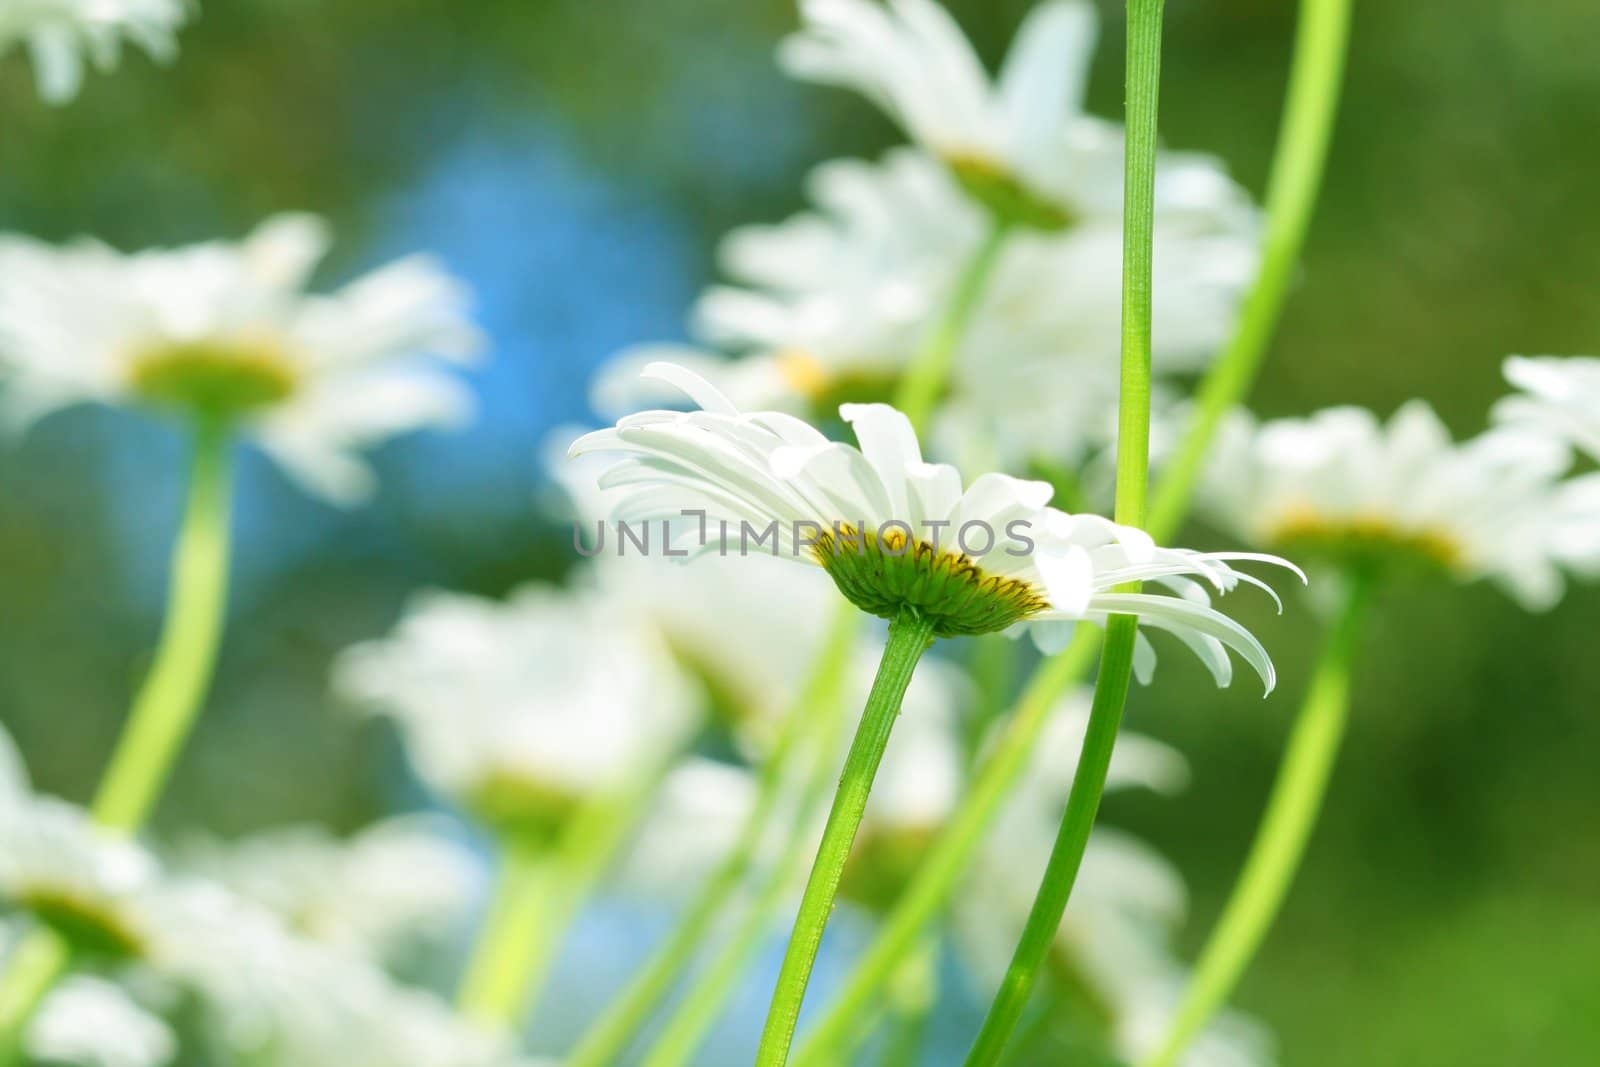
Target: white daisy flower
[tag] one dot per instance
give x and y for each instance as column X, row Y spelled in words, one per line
column 91, row 886
column 1342, row 485
column 90, row 1022
column 226, row 332
column 832, row 305
column 13, row 772
column 897, row 534
column 521, row 709
column 278, row 1000
column 372, row 894
column 1559, row 397
column 59, row 33
column 694, row 820
column 910, row 58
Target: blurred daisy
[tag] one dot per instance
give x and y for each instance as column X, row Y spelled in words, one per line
column 1112, row 963
column 1560, row 397
column 694, row 820
column 90, row 1022
column 226, row 333
column 1340, row 485
column 372, row 894
column 1000, row 137
column 830, row 306
column 276, row 999
column 91, row 886
column 59, row 33
column 896, row 534
column 522, row 708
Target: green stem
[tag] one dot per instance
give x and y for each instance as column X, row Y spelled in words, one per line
column 164, row 711
column 1133, row 476
column 924, row 379
column 909, row 637
column 681, row 1037
column 538, row 896
column 819, row 703
column 1286, row 826
column 1291, row 195
column 929, row 889
column 912, row 994
column 495, row 984
column 1297, row 168
column 31, row 970
column 1083, row 803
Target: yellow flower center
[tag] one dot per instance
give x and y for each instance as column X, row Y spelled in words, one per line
column 516, row 805
column 217, row 379
column 1005, row 195
column 883, row 573
column 1364, row 539
column 89, row 926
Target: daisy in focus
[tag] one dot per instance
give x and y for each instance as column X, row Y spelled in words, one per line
column 899, row 536
column 226, row 335
column 58, row 34
column 520, row 710
column 1343, row 487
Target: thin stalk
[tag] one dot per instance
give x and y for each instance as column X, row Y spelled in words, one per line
column 1286, row 826
column 909, row 637
column 924, row 379
column 165, row 709
column 539, row 894
column 817, row 705
column 31, row 970
column 495, row 984
column 1133, row 476
column 1312, row 102
column 929, row 890
column 1298, row 166
column 680, row 1038
column 1083, row 803
column 912, row 994
column 163, row 712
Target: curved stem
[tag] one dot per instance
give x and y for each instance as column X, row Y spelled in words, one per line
column 818, row 704
column 1286, row 826
column 929, row 889
column 164, row 711
column 32, row 968
column 1083, row 803
column 909, row 637
column 1291, row 195
column 1297, row 168
column 538, row 896
column 1133, row 476
column 681, row 1037
column 924, row 379
column 495, row 983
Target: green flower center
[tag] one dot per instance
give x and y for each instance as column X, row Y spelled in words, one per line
column 515, row 805
column 87, row 925
column 1365, row 541
column 1005, row 196
column 886, row 572
column 214, row 379
column 881, row 865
